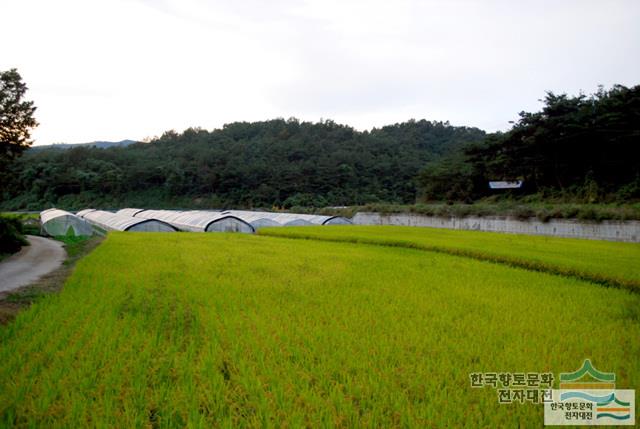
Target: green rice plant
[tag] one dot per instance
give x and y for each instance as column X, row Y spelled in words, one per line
column 224, row 330
column 604, row 262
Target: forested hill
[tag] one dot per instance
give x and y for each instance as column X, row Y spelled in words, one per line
column 98, row 144
column 262, row 164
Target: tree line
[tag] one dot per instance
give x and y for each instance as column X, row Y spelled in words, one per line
column 276, row 163
column 577, row 148
column 581, row 148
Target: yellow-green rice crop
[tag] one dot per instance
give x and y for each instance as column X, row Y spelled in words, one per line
column 223, row 330
column 606, row 262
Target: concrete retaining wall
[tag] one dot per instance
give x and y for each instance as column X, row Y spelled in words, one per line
column 605, row 230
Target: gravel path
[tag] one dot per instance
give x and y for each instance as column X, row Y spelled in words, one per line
column 32, row 262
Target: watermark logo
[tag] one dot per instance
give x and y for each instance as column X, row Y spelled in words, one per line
column 602, row 380
column 589, row 397
column 513, row 387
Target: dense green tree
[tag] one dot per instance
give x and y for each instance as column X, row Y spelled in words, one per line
column 16, row 121
column 16, row 115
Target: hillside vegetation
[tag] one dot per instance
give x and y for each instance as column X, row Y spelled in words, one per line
column 262, row 164
column 223, row 330
column 575, row 150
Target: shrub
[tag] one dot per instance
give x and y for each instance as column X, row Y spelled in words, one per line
column 11, row 236
column 523, row 213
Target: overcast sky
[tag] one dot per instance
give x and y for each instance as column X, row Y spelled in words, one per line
column 110, row 70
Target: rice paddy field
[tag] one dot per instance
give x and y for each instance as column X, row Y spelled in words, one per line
column 231, row 330
column 606, row 262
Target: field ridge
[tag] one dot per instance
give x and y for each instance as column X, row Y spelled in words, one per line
column 531, row 265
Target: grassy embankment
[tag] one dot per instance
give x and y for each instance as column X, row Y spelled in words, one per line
column 226, row 330
column 604, row 262
column 517, row 209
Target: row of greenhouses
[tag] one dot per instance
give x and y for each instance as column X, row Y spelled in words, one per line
column 193, row 220
column 59, row 222
column 108, row 221
column 231, row 220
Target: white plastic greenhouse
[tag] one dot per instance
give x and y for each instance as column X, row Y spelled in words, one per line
column 129, row 212
column 118, row 222
column 283, row 219
column 81, row 213
column 336, row 220
column 294, row 219
column 59, row 222
column 255, row 219
column 197, row 221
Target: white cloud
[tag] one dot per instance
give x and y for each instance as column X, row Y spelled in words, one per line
column 131, row 69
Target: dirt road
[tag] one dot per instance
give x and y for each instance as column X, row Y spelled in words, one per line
column 32, row 262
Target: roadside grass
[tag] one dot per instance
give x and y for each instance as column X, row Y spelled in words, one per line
column 13, row 302
column 231, row 330
column 604, row 262
column 77, row 245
